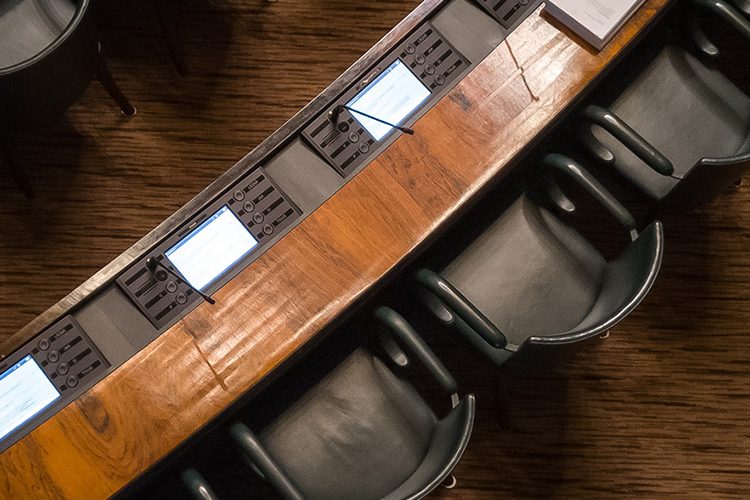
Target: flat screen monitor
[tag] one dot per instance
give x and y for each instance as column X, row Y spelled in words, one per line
column 211, row 249
column 392, row 97
column 25, row 391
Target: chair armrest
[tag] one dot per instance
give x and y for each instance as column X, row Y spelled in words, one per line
column 260, row 458
column 588, row 182
column 606, row 119
column 724, row 11
column 460, row 306
column 198, row 486
column 728, row 13
column 410, row 339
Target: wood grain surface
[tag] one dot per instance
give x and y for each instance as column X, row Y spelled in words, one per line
column 657, row 409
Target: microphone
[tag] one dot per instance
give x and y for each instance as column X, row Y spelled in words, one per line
column 152, row 264
column 333, row 115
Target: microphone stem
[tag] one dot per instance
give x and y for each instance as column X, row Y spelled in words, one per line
column 405, row 130
column 153, row 263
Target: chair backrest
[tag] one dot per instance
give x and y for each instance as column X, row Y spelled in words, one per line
column 39, row 90
column 627, row 281
column 706, row 180
column 364, row 421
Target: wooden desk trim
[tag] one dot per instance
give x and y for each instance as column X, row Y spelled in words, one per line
column 276, row 306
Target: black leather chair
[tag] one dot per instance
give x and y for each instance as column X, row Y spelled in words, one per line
column 363, row 431
column 40, row 86
column 48, row 55
column 671, row 123
column 530, row 278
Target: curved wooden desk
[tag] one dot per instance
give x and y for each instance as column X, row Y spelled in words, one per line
column 279, row 304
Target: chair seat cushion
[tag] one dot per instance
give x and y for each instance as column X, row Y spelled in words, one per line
column 529, row 273
column 686, row 110
column 27, row 27
column 358, row 433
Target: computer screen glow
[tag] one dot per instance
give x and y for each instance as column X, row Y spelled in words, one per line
column 211, row 249
column 24, row 392
column 392, row 97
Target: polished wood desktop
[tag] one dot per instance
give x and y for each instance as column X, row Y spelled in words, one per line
column 281, row 303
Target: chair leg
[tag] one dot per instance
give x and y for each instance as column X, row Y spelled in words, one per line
column 500, row 399
column 168, row 29
column 19, row 177
column 450, row 482
column 110, row 85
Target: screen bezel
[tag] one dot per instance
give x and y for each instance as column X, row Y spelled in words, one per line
column 205, row 223
column 29, row 358
column 382, row 74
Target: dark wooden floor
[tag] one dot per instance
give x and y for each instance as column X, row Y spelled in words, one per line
column 658, row 409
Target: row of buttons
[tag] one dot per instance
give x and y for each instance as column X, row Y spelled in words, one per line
column 419, row 59
column 354, row 138
column 53, row 357
column 249, row 206
column 429, row 69
column 171, row 287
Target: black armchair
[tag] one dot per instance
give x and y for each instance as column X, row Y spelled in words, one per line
column 40, row 85
column 363, row 431
column 48, row 55
column 673, row 125
column 529, row 278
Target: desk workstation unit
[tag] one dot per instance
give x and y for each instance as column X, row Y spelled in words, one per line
column 253, row 272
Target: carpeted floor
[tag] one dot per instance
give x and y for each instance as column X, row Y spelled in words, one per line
column 658, row 409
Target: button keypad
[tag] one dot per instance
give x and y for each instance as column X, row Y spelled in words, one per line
column 346, row 144
column 260, row 206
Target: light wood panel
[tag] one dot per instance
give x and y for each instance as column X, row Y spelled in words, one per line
column 282, row 301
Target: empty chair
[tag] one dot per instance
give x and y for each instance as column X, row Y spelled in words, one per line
column 362, row 431
column 48, row 55
column 671, row 124
column 529, row 278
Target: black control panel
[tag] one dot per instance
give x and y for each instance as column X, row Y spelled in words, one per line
column 259, row 205
column 45, row 375
column 345, row 143
column 507, row 12
column 66, row 355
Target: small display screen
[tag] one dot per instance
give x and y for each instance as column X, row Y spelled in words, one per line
column 391, row 97
column 24, row 392
column 212, row 248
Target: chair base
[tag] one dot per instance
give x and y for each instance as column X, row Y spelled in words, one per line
column 165, row 17
column 19, row 177
column 450, row 482
column 110, row 85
